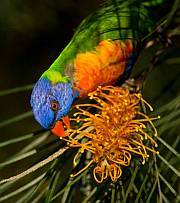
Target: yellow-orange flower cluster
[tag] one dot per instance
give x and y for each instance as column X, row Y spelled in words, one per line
column 114, row 133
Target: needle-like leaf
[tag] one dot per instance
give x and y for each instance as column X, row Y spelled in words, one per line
column 16, row 90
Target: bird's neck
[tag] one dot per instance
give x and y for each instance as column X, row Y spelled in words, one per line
column 55, row 76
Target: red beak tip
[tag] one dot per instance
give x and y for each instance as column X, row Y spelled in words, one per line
column 58, row 129
column 66, row 121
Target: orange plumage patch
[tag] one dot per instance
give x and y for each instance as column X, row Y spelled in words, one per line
column 102, row 66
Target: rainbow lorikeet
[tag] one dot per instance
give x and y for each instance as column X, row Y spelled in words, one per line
column 101, row 51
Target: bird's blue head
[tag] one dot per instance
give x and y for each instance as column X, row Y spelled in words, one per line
column 50, row 102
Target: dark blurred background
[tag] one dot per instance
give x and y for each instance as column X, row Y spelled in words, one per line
column 32, row 34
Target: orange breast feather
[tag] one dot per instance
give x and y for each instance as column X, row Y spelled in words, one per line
column 102, row 66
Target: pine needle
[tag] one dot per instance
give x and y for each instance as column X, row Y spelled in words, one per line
column 16, row 90
column 169, row 165
column 37, row 166
column 15, row 119
column 168, row 184
column 23, row 188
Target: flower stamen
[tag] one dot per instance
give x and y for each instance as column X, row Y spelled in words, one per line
column 114, row 132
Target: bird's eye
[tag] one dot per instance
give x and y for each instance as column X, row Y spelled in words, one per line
column 54, row 105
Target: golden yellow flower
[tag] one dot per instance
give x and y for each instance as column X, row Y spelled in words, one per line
column 116, row 131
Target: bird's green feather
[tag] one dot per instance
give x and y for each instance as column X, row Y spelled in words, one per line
column 54, row 76
column 116, row 20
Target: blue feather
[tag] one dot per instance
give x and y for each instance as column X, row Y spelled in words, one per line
column 44, row 93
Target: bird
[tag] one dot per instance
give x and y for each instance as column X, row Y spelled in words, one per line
column 102, row 50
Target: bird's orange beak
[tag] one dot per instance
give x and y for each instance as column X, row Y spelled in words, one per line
column 60, row 126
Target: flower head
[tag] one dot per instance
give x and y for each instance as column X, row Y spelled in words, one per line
column 116, row 131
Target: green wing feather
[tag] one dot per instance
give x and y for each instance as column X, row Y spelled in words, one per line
column 117, row 19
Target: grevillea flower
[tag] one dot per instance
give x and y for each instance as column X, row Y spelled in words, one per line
column 113, row 134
